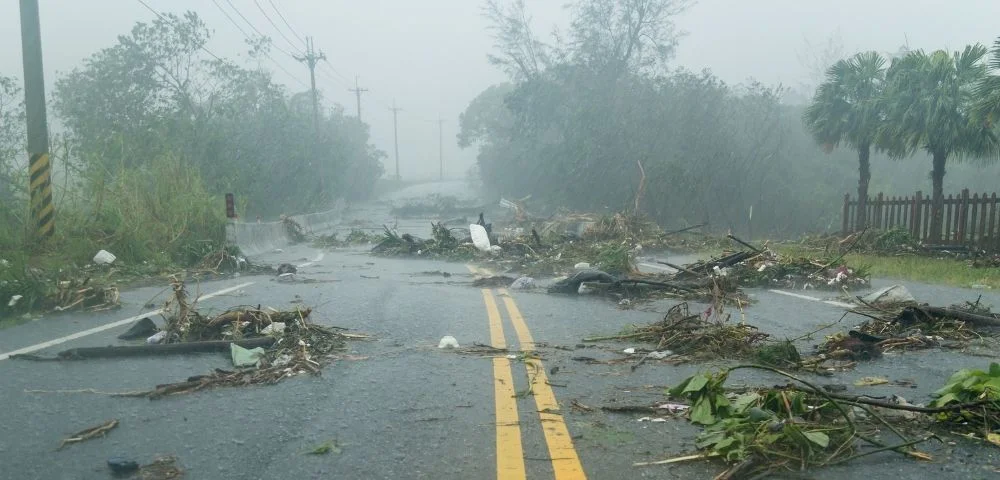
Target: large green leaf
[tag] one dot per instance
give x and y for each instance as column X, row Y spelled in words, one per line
column 819, row 438
column 701, row 412
column 696, row 383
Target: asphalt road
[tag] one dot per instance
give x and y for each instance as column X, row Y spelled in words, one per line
column 400, row 407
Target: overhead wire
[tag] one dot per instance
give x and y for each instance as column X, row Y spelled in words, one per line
column 276, row 10
column 248, row 37
column 269, row 20
column 158, row 14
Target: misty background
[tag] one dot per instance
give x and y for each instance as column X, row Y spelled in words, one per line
column 430, row 56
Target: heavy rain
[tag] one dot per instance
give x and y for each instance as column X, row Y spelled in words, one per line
column 510, row 239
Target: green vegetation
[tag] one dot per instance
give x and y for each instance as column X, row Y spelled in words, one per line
column 156, row 132
column 912, row 267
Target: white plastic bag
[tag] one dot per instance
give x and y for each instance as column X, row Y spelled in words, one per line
column 104, row 257
column 480, row 238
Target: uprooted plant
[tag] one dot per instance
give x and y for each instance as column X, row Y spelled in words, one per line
column 795, row 427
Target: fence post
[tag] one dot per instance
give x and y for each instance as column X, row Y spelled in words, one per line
column 846, row 214
column 915, row 214
column 962, row 215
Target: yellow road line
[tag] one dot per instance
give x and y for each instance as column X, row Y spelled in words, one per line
column 565, row 461
column 510, row 454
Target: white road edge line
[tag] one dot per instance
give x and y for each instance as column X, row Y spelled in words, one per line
column 315, row 260
column 813, row 299
column 107, row 326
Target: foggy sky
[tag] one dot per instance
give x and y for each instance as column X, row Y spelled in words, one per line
column 430, row 55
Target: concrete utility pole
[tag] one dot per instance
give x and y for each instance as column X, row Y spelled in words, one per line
column 395, row 134
column 357, row 91
column 311, row 58
column 441, row 146
column 40, row 183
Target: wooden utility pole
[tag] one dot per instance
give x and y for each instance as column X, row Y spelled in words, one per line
column 441, row 146
column 311, row 58
column 357, row 92
column 39, row 176
column 395, row 135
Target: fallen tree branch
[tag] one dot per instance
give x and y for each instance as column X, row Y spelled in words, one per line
column 152, row 350
column 961, row 315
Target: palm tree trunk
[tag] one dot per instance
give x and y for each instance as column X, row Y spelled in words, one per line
column 864, row 177
column 937, row 199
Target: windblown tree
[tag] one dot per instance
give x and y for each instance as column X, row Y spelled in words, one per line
column 929, row 104
column 157, row 93
column 848, row 108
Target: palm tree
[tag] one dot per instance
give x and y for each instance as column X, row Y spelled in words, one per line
column 986, row 111
column 847, row 107
column 929, row 100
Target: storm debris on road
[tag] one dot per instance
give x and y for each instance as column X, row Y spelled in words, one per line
column 162, row 468
column 76, row 294
column 89, row 433
column 697, row 335
column 761, row 431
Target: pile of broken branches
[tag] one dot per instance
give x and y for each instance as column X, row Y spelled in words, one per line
column 685, row 333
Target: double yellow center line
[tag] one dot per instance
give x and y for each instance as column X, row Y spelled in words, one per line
column 510, row 455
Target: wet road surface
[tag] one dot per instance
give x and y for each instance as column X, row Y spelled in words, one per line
column 401, row 408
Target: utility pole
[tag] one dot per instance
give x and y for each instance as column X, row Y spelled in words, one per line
column 311, row 58
column 395, row 135
column 40, row 182
column 441, row 146
column 357, row 91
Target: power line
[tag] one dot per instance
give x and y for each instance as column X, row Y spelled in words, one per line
column 275, row 7
column 254, row 27
column 247, row 36
column 151, row 9
column 268, row 17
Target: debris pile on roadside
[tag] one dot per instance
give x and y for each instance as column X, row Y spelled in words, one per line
column 895, row 321
column 761, row 431
column 266, row 345
column 700, row 335
column 355, row 237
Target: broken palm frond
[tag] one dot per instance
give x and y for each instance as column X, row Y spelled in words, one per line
column 90, row 433
column 83, row 353
column 691, row 334
column 797, row 427
column 162, row 468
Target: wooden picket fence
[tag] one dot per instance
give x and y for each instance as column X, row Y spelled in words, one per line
column 967, row 220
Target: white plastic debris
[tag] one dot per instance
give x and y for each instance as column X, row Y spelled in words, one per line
column 511, row 357
column 523, row 283
column 13, row 300
column 4, row 262
column 495, row 249
column 157, row 337
column 722, row 272
column 652, row 419
column 448, row 341
column 660, row 355
column 585, row 289
column 104, row 257
column 286, row 277
column 672, row 407
column 582, row 266
column 480, row 238
column 889, row 295
column 629, row 350
column 273, row 327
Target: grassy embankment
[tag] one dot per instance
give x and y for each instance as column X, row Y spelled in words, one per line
column 156, row 221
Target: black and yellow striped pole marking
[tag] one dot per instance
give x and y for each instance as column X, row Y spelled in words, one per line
column 40, row 183
column 42, row 210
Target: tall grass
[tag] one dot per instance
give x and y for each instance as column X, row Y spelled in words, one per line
column 155, row 217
